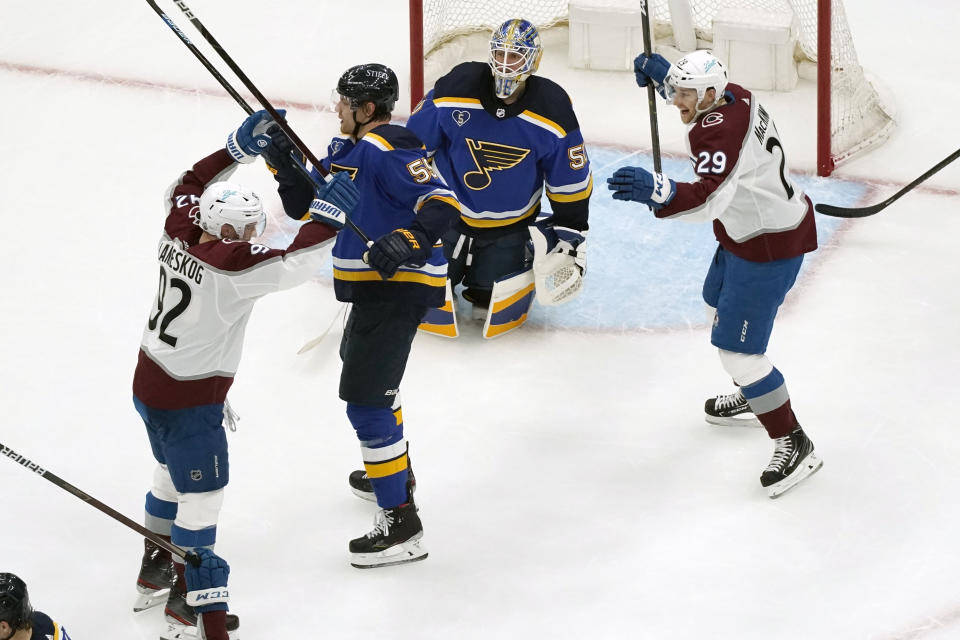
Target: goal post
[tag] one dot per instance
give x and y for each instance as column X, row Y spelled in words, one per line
column 851, row 115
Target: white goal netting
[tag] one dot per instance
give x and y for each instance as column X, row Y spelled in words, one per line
column 859, row 116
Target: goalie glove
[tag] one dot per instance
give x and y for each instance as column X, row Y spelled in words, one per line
column 559, row 262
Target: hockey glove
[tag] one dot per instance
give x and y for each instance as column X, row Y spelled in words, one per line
column 335, row 200
column 251, row 138
column 654, row 69
column 398, row 247
column 207, row 581
column 559, row 262
column 639, row 185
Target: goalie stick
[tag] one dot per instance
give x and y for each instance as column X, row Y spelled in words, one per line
column 93, row 502
column 651, row 92
column 284, row 126
column 862, row 212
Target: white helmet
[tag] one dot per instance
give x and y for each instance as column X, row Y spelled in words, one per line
column 699, row 70
column 229, row 203
column 516, row 36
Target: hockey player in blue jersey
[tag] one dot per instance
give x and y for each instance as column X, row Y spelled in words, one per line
column 391, row 285
column 18, row 620
column 499, row 136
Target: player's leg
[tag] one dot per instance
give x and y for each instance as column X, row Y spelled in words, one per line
column 157, row 573
column 195, row 450
column 492, row 259
column 374, row 349
column 747, row 304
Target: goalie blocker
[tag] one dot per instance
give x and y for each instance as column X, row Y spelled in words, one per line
column 556, row 277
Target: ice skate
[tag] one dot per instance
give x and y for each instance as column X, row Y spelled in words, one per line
column 793, row 460
column 730, row 410
column 181, row 619
column 361, row 486
column 396, row 539
column 156, row 576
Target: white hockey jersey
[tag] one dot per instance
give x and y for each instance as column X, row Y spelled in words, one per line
column 193, row 339
column 743, row 185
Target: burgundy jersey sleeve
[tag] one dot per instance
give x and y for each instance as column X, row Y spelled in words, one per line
column 184, row 195
column 716, row 142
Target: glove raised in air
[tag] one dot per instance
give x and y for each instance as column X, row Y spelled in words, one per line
column 335, row 200
column 251, row 137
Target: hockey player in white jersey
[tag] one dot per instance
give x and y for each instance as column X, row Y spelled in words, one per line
column 210, row 275
column 764, row 225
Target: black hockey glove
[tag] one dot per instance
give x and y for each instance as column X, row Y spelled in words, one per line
column 398, row 247
column 277, row 153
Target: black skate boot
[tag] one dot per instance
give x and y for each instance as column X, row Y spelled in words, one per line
column 793, row 460
column 180, row 617
column 396, row 539
column 361, row 486
column 730, row 410
column 156, row 576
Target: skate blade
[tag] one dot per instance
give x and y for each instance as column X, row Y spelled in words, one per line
column 410, row 551
column 366, row 495
column 811, row 464
column 177, row 631
column 149, row 599
column 748, row 420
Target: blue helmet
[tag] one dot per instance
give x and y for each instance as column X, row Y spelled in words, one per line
column 515, row 52
column 15, row 607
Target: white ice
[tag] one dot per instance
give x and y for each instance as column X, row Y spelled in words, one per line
column 568, row 485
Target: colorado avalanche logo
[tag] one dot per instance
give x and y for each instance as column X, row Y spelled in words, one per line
column 460, row 117
column 711, row 119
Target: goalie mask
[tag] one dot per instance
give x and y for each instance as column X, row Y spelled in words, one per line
column 228, row 203
column 515, row 52
column 15, row 607
column 699, row 70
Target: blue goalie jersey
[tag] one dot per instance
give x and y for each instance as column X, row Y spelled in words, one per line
column 499, row 158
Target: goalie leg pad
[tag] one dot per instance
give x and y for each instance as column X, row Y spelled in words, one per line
column 509, row 303
column 442, row 321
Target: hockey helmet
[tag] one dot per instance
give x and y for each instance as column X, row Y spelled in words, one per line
column 699, row 70
column 15, row 607
column 515, row 52
column 229, row 203
column 371, row 82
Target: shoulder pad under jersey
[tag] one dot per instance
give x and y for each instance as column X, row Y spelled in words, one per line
column 466, row 80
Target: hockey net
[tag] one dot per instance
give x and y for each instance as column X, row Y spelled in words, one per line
column 858, row 116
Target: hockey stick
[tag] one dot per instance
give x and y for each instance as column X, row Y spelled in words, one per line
column 284, row 126
column 651, row 92
column 862, row 212
column 116, row 515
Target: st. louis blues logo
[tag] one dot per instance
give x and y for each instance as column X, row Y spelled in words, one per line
column 490, row 156
column 351, row 171
column 460, row 117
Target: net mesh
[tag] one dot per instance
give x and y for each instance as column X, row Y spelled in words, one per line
column 859, row 117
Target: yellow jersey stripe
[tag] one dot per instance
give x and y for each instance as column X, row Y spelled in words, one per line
column 453, row 202
column 572, row 197
column 486, row 224
column 546, row 122
column 379, row 141
column 453, row 100
column 399, row 276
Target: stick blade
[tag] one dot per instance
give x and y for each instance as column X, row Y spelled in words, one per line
column 847, row 212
